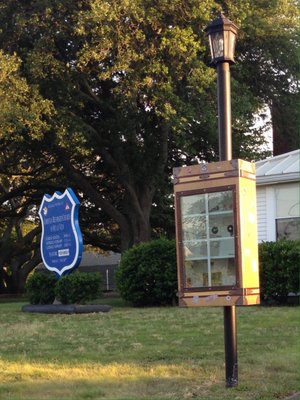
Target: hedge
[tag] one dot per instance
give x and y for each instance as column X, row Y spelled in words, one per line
column 147, row 274
column 78, row 288
column 75, row 288
column 40, row 288
column 279, row 270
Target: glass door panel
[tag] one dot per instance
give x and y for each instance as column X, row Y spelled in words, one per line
column 194, row 227
column 207, row 235
column 191, row 205
column 195, row 250
column 196, row 274
column 223, row 272
column 220, row 201
column 221, row 226
column 222, row 248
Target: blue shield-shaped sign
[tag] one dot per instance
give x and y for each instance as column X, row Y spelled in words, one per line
column 61, row 242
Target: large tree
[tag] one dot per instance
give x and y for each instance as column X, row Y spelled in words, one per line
column 133, row 94
column 23, row 122
column 122, row 78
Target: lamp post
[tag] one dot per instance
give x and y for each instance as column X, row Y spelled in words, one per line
column 222, row 38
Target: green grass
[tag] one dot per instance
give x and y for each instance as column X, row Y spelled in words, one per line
column 149, row 353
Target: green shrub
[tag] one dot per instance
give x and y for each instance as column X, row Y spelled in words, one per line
column 78, row 287
column 279, row 269
column 40, row 288
column 147, row 274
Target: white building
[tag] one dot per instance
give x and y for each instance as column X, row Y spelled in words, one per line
column 278, row 190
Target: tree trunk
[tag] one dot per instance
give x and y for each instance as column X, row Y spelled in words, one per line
column 3, row 288
column 138, row 206
column 133, row 215
column 20, row 266
column 16, row 283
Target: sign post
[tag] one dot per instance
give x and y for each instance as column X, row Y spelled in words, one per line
column 61, row 242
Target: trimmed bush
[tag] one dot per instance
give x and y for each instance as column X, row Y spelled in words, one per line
column 78, row 287
column 40, row 288
column 279, row 270
column 147, row 274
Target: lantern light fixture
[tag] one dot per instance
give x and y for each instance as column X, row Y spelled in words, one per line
column 222, row 39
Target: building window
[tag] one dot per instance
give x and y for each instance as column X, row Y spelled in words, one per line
column 287, row 211
column 288, row 228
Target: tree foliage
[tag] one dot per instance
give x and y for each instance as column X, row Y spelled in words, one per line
column 268, row 60
column 23, row 123
column 120, row 76
column 107, row 97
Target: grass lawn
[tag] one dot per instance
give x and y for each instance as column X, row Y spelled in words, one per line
column 150, row 353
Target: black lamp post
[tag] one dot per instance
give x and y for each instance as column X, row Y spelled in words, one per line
column 222, row 38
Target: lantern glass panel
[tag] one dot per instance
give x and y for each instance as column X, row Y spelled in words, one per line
column 226, row 45
column 231, row 45
column 217, row 40
column 211, row 46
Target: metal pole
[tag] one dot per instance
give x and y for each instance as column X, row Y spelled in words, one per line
column 225, row 153
column 224, row 111
column 107, row 281
column 230, row 342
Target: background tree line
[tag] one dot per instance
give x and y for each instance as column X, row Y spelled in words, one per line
column 108, row 96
